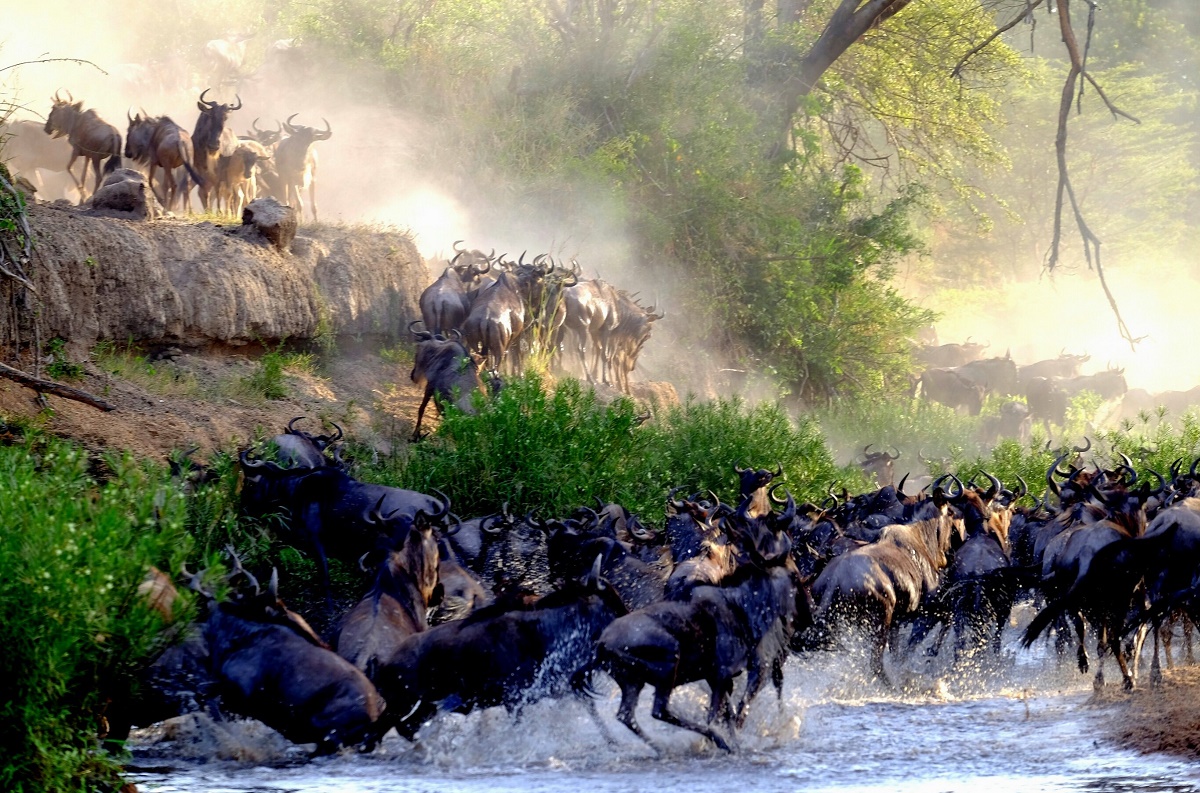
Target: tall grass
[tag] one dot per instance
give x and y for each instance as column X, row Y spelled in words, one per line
column 73, row 627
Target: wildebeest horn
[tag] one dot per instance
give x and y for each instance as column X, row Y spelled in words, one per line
column 129, row 115
column 1087, row 445
column 1023, row 490
column 900, row 487
column 238, row 106
column 287, row 125
column 771, row 493
column 778, row 469
column 445, row 505
column 494, row 528
column 890, row 457
column 362, row 562
column 639, row 531
column 374, row 515
column 254, row 126
column 324, row 135
column 273, row 584
column 458, row 249
column 1051, row 471
column 1162, row 484
column 679, row 506
column 994, row 489
column 420, row 335
column 290, row 428
column 457, row 256
column 56, row 98
column 593, row 576
column 738, row 469
column 202, row 102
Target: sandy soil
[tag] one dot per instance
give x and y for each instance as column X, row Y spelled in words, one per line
column 1159, row 720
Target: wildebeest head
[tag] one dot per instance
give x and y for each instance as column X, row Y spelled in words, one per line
column 63, row 115
column 213, row 121
column 409, row 548
column 267, row 137
column 878, row 465
column 137, row 138
column 306, row 135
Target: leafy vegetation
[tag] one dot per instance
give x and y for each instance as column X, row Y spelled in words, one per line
column 61, row 367
column 73, row 626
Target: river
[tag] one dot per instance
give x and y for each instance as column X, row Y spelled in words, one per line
column 1022, row 723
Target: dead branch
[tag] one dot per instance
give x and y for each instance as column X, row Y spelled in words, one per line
column 1116, row 111
column 1007, row 26
column 80, row 61
column 1091, row 243
column 50, row 387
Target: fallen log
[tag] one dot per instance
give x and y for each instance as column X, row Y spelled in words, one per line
column 50, row 387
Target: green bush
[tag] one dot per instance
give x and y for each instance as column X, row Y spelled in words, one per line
column 266, row 381
column 74, row 629
column 554, row 449
column 61, row 367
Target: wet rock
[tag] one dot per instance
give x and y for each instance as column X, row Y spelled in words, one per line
column 270, row 220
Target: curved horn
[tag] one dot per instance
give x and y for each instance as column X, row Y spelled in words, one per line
column 339, row 435
column 593, row 577
column 1023, row 490
column 778, row 469
column 445, row 501
column 291, row 430
column 326, row 134
column 1087, row 445
column 994, row 490
column 457, row 526
column 287, row 125
column 900, row 487
column 679, row 506
column 891, row 457
column 458, row 249
column 254, row 126
column 129, row 116
column 202, row 101
column 362, row 562
column 273, row 584
column 1050, row 481
column 238, row 106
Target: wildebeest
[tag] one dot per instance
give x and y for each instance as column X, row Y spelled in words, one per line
column 448, row 372
column 1013, row 421
column 445, row 302
column 269, row 665
column 406, row 585
column 512, row 659
column 743, row 624
column 1047, row 401
column 236, row 175
column 28, row 150
column 161, row 143
column 496, row 321
column 947, row 356
column 952, row 389
column 878, row 466
column 296, row 164
column 996, row 375
column 462, row 592
column 212, row 138
column 224, row 58
column 874, row 584
column 1064, row 365
column 299, row 449
column 90, row 136
column 1109, row 384
column 328, row 510
column 624, row 340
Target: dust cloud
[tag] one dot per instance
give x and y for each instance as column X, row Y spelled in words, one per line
column 1038, row 319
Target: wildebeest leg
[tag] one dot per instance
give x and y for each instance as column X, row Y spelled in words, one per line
column 882, row 632
column 595, row 714
column 1155, row 669
column 754, row 679
column 1188, row 627
column 312, row 193
column 662, row 712
column 421, row 414
column 1081, row 648
column 630, row 692
column 78, row 184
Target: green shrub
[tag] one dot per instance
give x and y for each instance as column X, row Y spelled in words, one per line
column 552, row 450
column 73, row 628
column 266, row 381
column 61, row 367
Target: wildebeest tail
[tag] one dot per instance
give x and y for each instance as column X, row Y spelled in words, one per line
column 192, row 172
column 114, row 162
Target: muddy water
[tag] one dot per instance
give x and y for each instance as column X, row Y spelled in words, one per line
column 1020, row 723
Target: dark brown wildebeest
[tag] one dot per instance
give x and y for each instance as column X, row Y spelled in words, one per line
column 296, row 164
column 996, row 375
column 948, row 387
column 269, row 665
column 1013, row 421
column 512, row 658
column 497, row 319
column 1047, row 401
column 872, row 585
column 624, row 340
column 947, row 356
column 878, row 466
column 161, row 143
column 588, row 308
column 396, row 606
column 90, row 136
column 445, row 302
column 1063, row 366
column 237, row 184
column 1109, row 384
column 447, row 371
column 212, row 138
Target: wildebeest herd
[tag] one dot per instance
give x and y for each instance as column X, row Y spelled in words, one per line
column 507, row 609
column 226, row 170
column 485, row 310
column 958, row 376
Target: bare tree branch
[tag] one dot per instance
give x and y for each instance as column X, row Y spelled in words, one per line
column 1091, row 243
column 1007, row 26
column 80, row 61
column 1116, row 111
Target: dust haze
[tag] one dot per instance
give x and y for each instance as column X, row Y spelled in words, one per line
column 387, row 166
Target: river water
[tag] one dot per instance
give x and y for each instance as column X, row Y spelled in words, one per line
column 1023, row 723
